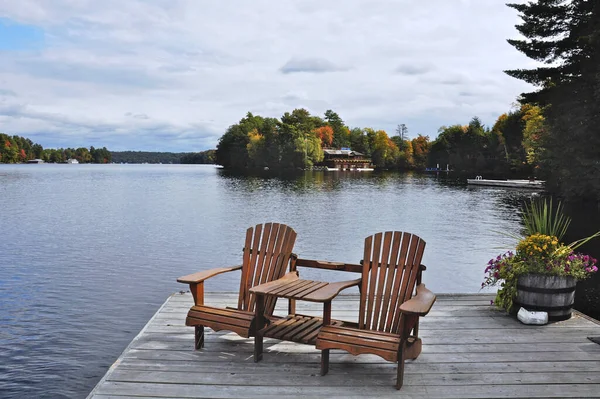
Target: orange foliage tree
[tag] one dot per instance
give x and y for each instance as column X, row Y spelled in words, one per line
column 325, row 133
column 420, row 147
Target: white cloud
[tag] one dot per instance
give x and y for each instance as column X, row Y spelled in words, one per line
column 172, row 75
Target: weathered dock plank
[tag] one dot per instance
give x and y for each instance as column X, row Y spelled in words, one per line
column 471, row 350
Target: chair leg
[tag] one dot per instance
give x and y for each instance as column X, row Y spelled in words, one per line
column 260, row 320
column 324, row 361
column 400, row 372
column 198, row 337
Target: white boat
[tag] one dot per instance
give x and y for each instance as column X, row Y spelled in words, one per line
column 365, row 169
column 533, row 184
column 332, row 169
column 72, row 160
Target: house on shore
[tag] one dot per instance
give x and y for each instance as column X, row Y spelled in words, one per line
column 346, row 159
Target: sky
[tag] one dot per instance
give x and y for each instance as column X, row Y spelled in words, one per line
column 172, row 75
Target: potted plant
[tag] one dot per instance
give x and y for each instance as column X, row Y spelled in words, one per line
column 541, row 274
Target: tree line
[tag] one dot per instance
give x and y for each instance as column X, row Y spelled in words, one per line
column 16, row 149
column 510, row 148
column 203, row 157
column 297, row 140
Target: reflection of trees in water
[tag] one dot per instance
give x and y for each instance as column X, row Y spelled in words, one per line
column 308, row 181
column 297, row 182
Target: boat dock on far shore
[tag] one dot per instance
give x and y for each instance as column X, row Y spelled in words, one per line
column 531, row 184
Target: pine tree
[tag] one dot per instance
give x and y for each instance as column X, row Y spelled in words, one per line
column 565, row 36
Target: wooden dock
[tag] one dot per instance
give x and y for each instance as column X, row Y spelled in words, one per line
column 470, row 350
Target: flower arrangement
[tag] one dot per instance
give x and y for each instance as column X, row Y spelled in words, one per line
column 540, row 252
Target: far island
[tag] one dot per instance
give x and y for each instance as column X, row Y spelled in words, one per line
column 299, row 140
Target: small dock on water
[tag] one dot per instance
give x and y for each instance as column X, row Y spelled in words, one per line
column 470, row 350
column 515, row 183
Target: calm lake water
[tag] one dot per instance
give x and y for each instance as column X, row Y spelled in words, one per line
column 89, row 252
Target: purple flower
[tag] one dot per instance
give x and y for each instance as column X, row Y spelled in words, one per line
column 492, row 302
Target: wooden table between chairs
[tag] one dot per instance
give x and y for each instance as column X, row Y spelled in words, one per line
column 295, row 327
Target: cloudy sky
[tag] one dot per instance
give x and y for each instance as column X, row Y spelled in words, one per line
column 171, row 75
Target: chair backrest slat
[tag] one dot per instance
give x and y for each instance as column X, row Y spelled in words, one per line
column 275, row 243
column 266, row 255
column 405, row 279
column 245, row 262
column 395, row 291
column 385, row 263
column 280, row 263
column 263, row 258
column 251, row 266
column 373, row 278
column 390, row 267
column 389, row 279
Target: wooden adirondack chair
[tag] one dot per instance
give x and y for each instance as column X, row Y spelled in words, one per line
column 388, row 319
column 266, row 255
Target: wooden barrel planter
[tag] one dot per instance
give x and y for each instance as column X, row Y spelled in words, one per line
column 552, row 294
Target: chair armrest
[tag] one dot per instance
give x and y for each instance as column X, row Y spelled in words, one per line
column 203, row 275
column 330, row 291
column 419, row 304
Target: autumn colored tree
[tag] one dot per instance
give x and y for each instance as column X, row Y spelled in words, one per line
column 534, row 134
column 256, row 148
column 8, row 150
column 325, row 134
column 420, row 147
column 384, row 152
